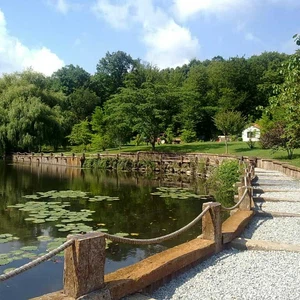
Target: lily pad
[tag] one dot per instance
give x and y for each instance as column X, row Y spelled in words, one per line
column 121, row 234
column 29, row 255
column 44, row 238
column 29, row 248
column 39, row 221
column 5, row 261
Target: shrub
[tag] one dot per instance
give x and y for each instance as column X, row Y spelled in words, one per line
column 222, row 180
column 188, row 135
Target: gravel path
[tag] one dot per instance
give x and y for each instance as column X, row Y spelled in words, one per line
column 287, row 207
column 234, row 274
column 284, row 196
column 280, row 230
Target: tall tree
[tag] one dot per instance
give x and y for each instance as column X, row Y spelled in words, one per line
column 116, row 65
column 287, row 102
column 28, row 121
column 70, row 78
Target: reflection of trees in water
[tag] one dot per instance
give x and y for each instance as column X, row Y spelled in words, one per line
column 12, row 221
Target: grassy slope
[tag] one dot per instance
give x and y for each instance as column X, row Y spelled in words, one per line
column 235, row 148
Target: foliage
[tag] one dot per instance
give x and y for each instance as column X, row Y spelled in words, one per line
column 229, row 122
column 115, row 65
column 81, row 134
column 251, row 143
column 285, row 103
column 70, row 78
column 169, row 135
column 188, row 136
column 81, row 103
column 296, row 38
column 126, row 98
column 222, row 179
column 29, row 114
column 275, row 139
column 146, row 111
column 101, row 142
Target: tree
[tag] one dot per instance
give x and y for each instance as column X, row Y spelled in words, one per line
column 229, row 122
column 82, row 102
column 70, row 78
column 81, row 134
column 28, row 118
column 116, row 65
column 287, row 101
column 147, row 111
column 275, row 138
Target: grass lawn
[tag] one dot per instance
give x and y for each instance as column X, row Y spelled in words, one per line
column 234, row 148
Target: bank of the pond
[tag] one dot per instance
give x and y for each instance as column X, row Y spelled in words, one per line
column 234, row 148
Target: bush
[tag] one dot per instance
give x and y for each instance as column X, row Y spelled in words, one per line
column 101, row 142
column 189, row 135
column 222, row 180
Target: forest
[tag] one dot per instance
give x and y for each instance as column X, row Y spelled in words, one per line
column 130, row 101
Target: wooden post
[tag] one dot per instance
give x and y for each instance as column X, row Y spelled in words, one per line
column 84, row 264
column 246, row 204
column 212, row 225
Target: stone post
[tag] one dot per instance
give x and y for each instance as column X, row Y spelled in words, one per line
column 84, row 264
column 212, row 225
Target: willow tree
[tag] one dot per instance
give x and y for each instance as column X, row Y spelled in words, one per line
column 29, row 116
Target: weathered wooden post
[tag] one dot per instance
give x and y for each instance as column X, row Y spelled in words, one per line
column 84, row 264
column 246, row 204
column 212, row 225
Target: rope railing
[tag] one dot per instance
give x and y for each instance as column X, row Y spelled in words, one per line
column 114, row 238
column 160, row 239
column 236, row 205
column 37, row 261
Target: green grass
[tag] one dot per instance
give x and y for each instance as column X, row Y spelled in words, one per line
column 234, row 148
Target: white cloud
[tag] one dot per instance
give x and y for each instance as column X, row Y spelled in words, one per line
column 171, row 46
column 185, row 9
column 60, row 5
column 65, row 6
column 168, row 44
column 116, row 15
column 14, row 56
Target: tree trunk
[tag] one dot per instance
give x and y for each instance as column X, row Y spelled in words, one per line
column 226, row 145
column 153, row 145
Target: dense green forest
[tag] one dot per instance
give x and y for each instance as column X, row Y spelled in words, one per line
column 127, row 100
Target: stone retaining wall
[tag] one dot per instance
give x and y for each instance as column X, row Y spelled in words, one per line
column 40, row 158
column 279, row 166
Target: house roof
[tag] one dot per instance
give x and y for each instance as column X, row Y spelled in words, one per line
column 253, row 125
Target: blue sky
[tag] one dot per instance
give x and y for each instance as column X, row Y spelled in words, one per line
column 48, row 34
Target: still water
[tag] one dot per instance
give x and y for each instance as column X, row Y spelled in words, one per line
column 137, row 212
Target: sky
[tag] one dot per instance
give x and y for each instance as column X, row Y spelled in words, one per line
column 46, row 35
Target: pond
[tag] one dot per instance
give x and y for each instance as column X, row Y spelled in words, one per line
column 40, row 206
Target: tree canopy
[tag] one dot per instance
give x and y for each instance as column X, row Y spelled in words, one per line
column 127, row 98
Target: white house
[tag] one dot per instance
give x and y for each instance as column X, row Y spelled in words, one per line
column 251, row 133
